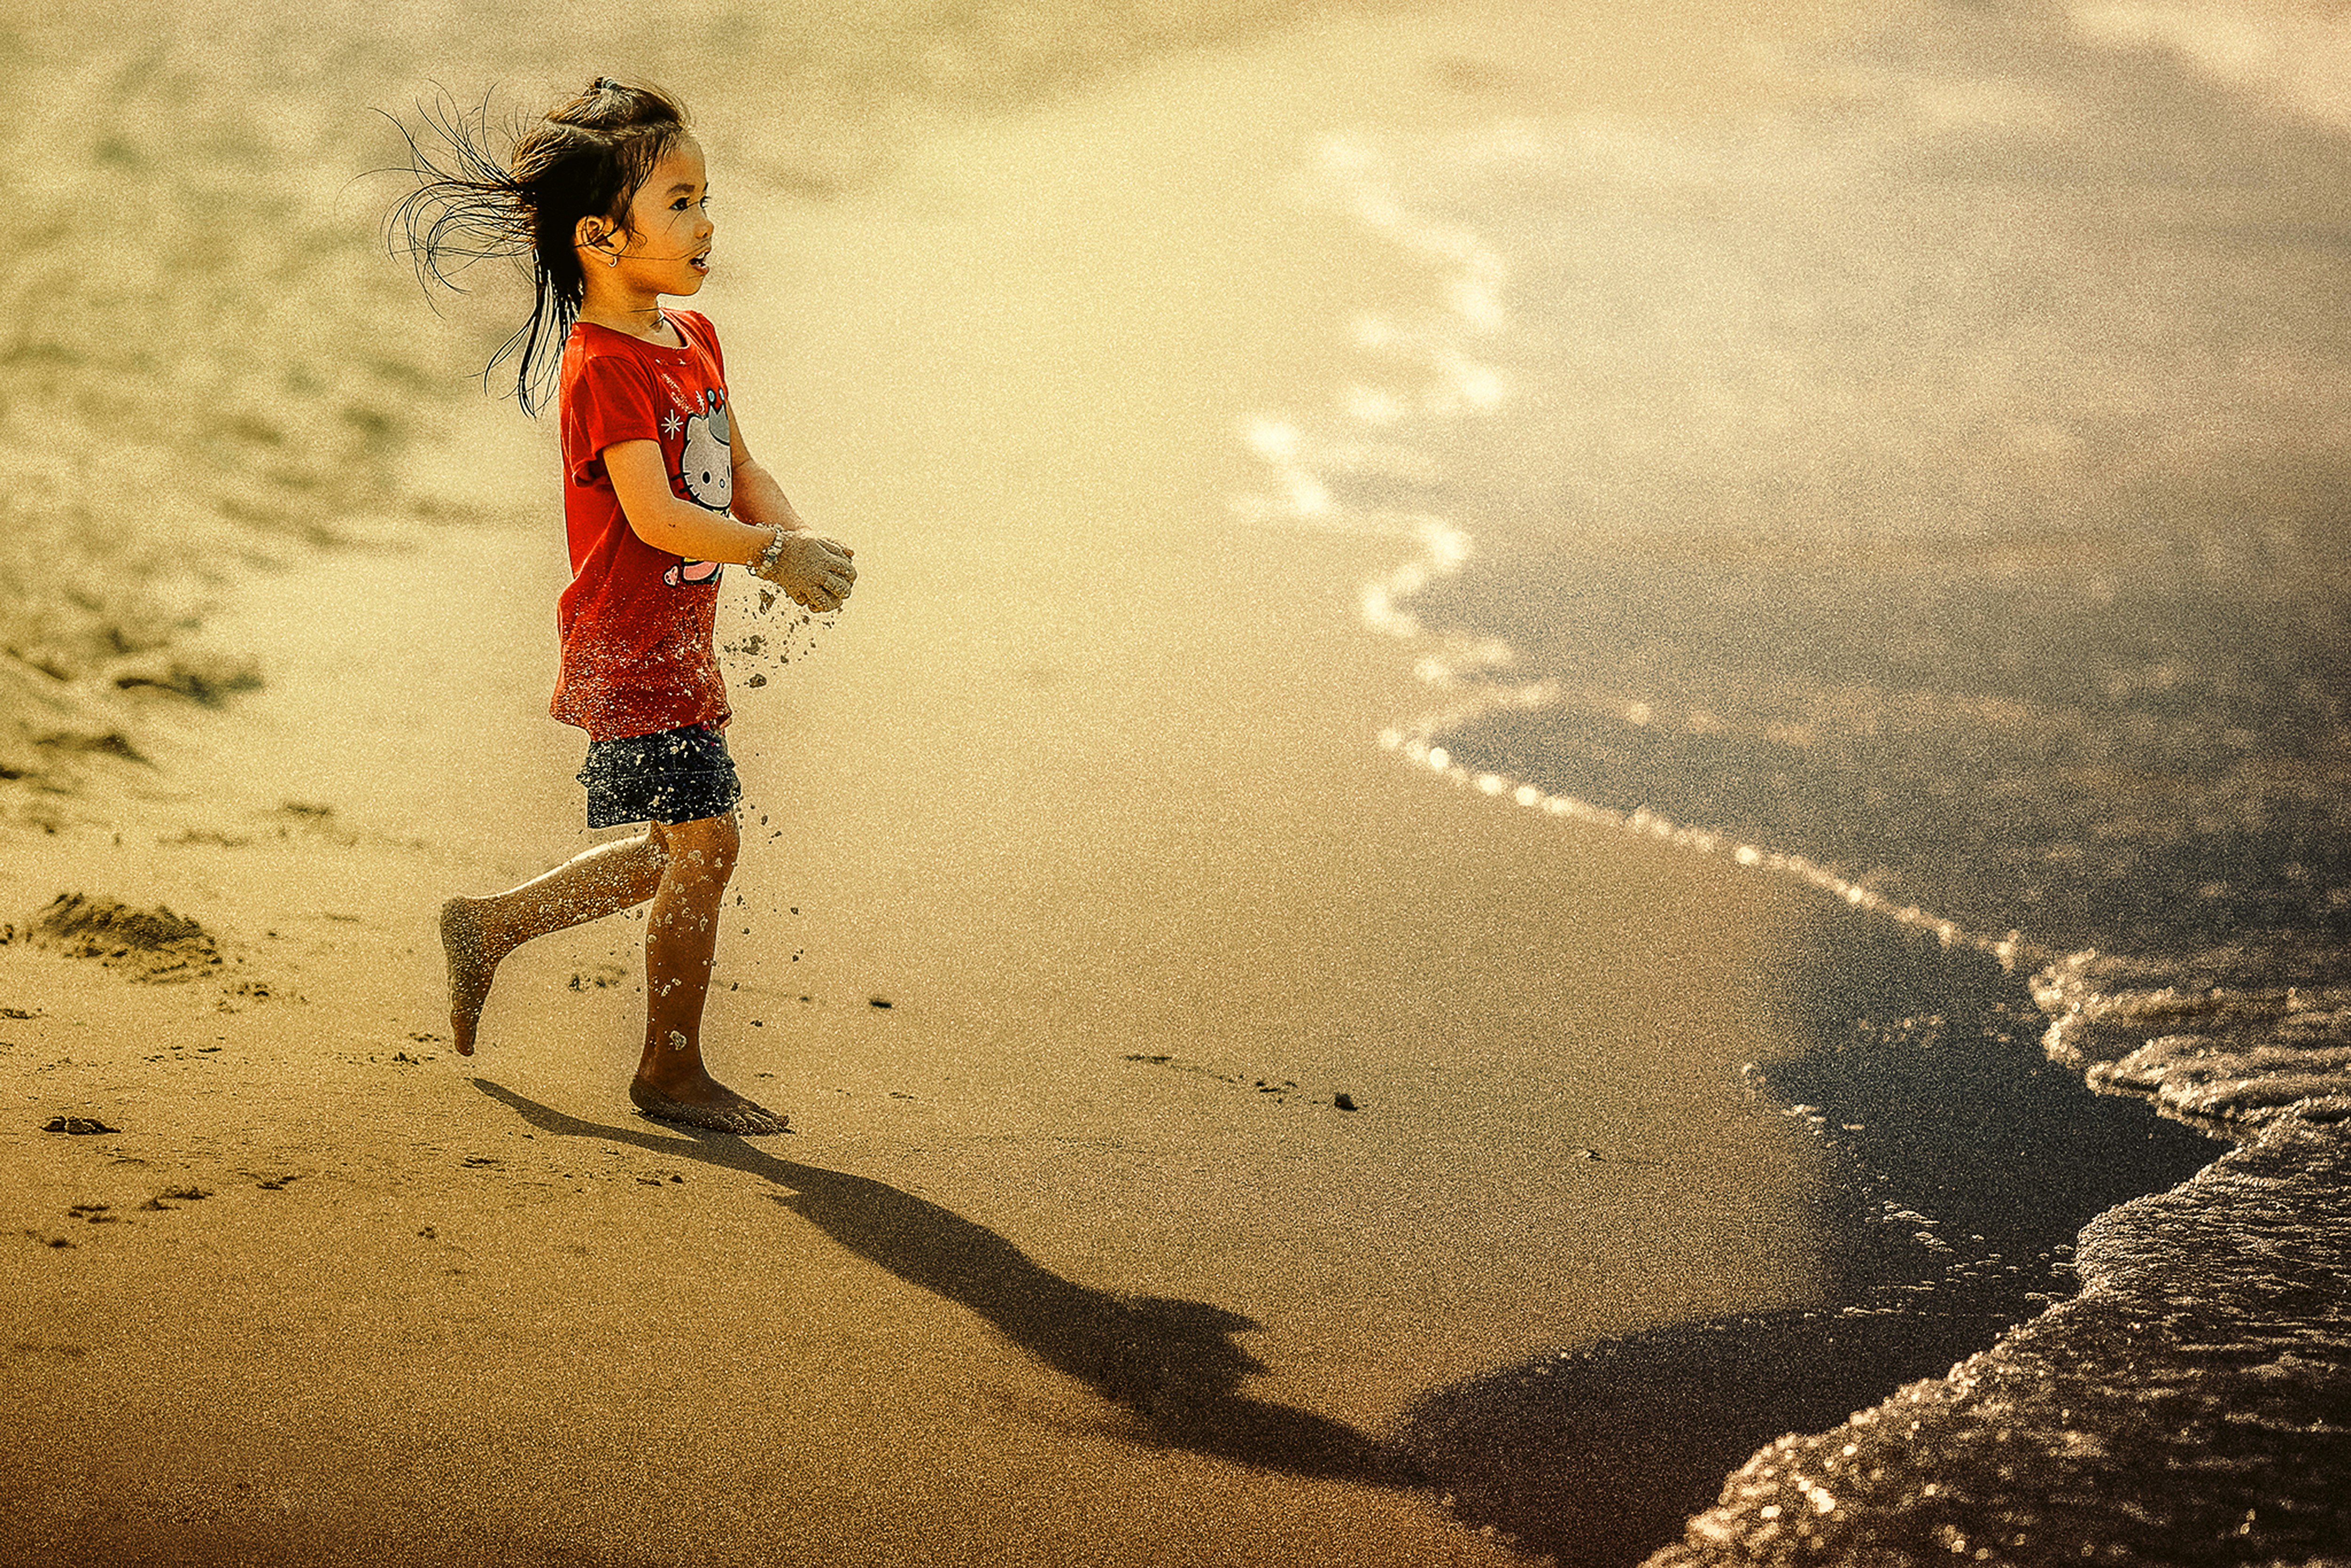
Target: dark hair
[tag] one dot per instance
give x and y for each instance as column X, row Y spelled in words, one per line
column 584, row 158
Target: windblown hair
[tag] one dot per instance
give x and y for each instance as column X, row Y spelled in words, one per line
column 585, row 158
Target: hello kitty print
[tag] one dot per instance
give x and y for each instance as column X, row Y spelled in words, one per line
column 705, row 471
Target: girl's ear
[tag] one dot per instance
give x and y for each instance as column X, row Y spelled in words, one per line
column 591, row 233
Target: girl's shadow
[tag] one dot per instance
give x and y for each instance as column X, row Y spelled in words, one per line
column 1171, row 1365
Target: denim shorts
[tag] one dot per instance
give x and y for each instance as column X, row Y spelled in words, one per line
column 676, row 776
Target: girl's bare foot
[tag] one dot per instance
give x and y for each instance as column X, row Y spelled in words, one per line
column 472, row 966
column 705, row 1103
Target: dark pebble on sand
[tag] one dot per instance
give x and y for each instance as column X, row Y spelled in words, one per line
column 80, row 1127
column 877, row 1001
column 1344, row 1101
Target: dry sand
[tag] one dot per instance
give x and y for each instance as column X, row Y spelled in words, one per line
column 1074, row 1258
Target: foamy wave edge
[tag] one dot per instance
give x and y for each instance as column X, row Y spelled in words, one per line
column 2186, row 1407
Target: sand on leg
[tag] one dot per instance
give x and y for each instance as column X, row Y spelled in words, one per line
column 477, row 933
column 681, row 943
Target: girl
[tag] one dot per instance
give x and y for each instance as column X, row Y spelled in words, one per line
column 607, row 197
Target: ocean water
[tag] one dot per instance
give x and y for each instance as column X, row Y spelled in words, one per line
column 1937, row 493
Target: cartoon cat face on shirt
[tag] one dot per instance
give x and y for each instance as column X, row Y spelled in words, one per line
column 706, row 464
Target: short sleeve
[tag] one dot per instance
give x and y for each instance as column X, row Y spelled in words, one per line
column 612, row 398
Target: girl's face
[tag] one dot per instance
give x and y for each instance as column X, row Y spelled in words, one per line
column 666, row 248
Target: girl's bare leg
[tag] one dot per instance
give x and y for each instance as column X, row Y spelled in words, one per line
column 681, row 942
column 684, row 869
column 476, row 933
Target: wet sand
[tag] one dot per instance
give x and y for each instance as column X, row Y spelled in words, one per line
column 1075, row 1256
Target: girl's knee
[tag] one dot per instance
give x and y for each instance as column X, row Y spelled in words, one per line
column 710, row 845
column 725, row 844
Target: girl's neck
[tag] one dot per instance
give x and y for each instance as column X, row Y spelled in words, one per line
column 650, row 323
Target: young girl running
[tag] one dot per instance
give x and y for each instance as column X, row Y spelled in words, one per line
column 607, row 196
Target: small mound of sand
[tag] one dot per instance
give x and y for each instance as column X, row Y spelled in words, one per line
column 153, row 945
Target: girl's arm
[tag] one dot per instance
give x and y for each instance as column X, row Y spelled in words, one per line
column 667, row 521
column 757, row 497
column 800, row 559
column 814, row 570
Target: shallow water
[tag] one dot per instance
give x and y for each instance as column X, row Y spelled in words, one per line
column 1934, row 496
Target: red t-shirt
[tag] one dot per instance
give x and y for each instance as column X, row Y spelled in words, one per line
column 636, row 623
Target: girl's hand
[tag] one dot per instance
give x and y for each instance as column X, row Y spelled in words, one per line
column 813, row 570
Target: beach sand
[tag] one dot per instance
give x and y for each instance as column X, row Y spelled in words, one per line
column 1077, row 891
